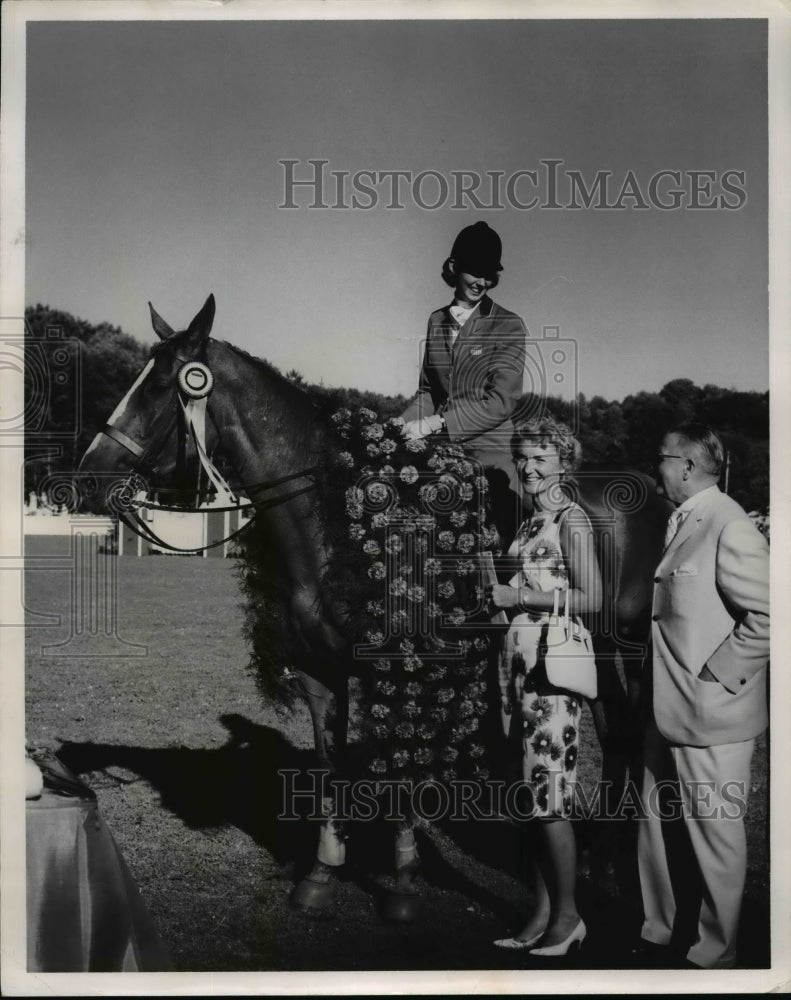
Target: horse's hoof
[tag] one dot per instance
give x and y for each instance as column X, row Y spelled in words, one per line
column 400, row 907
column 312, row 897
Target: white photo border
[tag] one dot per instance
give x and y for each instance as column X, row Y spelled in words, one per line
column 15, row 979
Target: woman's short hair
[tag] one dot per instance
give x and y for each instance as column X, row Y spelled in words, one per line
column 450, row 277
column 547, row 430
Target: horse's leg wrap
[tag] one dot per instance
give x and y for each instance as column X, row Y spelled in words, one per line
column 402, row 904
column 407, row 859
column 332, row 846
column 315, row 892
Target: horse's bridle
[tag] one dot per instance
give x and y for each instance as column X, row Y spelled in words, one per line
column 195, row 391
column 141, row 453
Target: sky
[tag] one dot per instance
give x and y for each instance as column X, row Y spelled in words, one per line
column 153, row 172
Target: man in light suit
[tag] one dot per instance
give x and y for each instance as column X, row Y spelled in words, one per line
column 473, row 366
column 710, row 633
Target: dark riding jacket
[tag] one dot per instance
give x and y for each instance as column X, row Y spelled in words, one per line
column 475, row 382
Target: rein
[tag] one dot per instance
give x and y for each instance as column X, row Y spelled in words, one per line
column 195, row 383
column 263, row 504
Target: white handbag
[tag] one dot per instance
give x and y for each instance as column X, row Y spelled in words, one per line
column 570, row 660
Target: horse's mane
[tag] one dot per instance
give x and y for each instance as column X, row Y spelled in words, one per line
column 265, row 367
column 324, row 401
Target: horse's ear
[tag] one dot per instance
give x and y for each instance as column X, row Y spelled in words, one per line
column 162, row 329
column 200, row 328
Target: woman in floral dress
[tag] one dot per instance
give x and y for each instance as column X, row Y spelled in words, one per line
column 553, row 550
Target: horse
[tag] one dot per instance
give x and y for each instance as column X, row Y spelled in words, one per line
column 266, row 429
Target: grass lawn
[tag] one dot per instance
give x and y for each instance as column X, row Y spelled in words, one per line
column 183, row 755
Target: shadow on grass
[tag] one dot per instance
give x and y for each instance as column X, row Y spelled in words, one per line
column 251, row 782
column 238, row 783
column 245, row 783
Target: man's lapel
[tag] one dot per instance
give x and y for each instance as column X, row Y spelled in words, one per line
column 690, row 524
column 687, row 529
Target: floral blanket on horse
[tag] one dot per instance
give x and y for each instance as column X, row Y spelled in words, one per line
column 415, row 521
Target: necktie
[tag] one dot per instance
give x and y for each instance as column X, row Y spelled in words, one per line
column 459, row 314
column 673, row 522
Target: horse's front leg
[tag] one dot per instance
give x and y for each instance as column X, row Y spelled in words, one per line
column 402, row 903
column 329, row 714
column 407, row 859
column 315, row 893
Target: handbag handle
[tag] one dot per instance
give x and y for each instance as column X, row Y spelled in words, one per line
column 556, row 605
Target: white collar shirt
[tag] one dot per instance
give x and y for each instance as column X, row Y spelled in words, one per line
column 460, row 314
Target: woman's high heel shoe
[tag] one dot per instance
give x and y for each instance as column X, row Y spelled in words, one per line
column 576, row 938
column 516, row 943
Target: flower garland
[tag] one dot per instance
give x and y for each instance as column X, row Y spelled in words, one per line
column 415, row 520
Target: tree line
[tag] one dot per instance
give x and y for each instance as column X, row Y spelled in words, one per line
column 67, row 407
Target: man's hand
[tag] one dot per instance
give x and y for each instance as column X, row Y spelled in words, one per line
column 707, row 675
column 423, row 427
